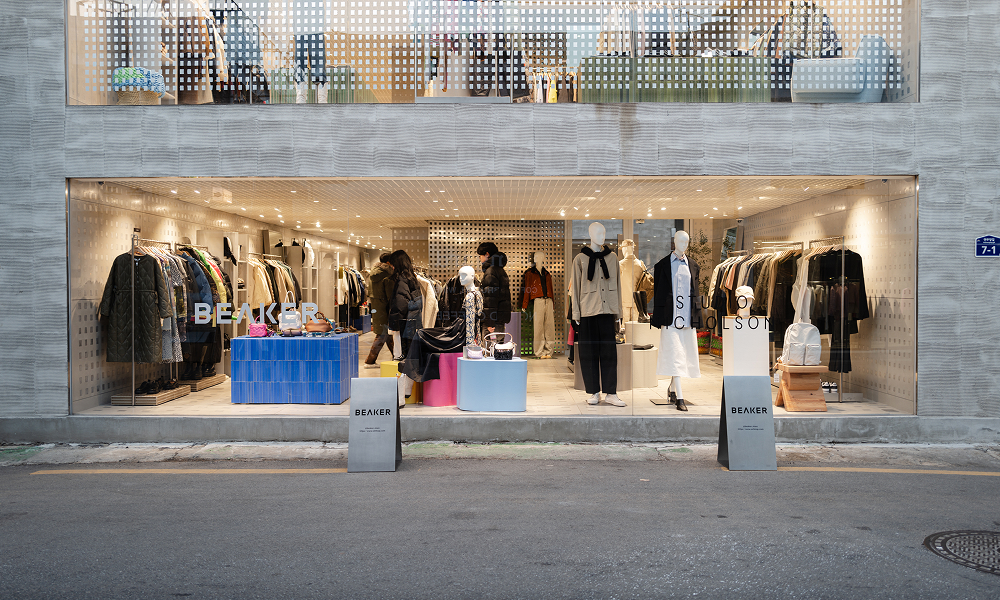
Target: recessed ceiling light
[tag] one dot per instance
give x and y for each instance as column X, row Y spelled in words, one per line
column 663, row 208
column 262, row 216
column 434, row 201
column 621, row 209
column 241, row 208
column 298, row 221
column 427, row 191
column 282, row 221
column 697, row 190
column 587, row 215
column 598, row 191
column 335, row 209
column 715, row 208
column 197, row 192
column 440, row 209
column 649, row 214
column 442, row 191
column 315, row 201
column 575, row 208
column 206, row 201
column 293, row 191
column 357, row 215
column 281, row 216
column 450, row 201
column 739, row 208
column 298, row 227
column 278, row 209
column 173, row 191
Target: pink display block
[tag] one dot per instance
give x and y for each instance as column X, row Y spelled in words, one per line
column 443, row 392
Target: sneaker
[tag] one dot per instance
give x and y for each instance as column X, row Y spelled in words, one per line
column 374, row 366
column 595, row 399
column 614, row 400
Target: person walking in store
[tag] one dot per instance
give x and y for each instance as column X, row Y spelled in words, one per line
column 405, row 313
column 381, row 289
column 495, row 288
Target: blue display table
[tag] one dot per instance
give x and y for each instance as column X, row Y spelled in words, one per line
column 293, row 370
column 489, row 385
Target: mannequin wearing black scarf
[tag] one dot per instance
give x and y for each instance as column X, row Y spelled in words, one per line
column 594, row 257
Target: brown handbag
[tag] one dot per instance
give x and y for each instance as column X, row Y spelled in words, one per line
column 319, row 325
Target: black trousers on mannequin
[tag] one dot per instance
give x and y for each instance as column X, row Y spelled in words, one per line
column 598, row 354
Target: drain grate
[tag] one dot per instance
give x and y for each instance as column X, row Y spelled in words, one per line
column 979, row 550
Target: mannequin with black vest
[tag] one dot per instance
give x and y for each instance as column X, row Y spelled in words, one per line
column 538, row 291
column 597, row 307
column 677, row 312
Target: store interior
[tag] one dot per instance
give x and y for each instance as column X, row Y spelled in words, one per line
column 329, row 233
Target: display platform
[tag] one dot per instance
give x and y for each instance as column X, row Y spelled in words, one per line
column 443, row 391
column 198, row 385
column 153, row 399
column 293, row 370
column 624, row 367
column 488, row 385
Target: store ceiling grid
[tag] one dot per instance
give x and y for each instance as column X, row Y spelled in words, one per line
column 368, row 208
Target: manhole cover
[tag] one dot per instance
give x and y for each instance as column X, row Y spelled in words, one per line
column 979, row 550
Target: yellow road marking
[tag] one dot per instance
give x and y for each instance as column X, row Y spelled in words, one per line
column 188, row 471
column 878, row 470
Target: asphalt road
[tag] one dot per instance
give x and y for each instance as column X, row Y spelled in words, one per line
column 486, row 529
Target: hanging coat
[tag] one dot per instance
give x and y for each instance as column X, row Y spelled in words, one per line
column 152, row 303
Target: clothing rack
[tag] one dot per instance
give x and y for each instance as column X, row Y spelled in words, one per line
column 838, row 239
column 777, row 245
column 733, row 253
column 274, row 256
column 179, row 245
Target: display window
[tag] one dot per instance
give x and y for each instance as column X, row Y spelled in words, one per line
column 593, row 296
column 171, row 52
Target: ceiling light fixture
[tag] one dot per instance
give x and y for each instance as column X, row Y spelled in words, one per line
column 451, row 201
column 357, row 216
column 434, row 201
column 315, row 201
column 649, row 214
column 427, row 191
column 663, row 208
column 739, row 208
column 697, row 190
column 241, row 208
column 292, row 191
column 442, row 191
column 587, row 215
column 262, row 216
column 597, row 191
column 197, row 192
column 298, row 227
column 715, row 208
column 173, row 191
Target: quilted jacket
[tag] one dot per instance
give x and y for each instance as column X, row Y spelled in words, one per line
column 496, row 291
column 152, row 303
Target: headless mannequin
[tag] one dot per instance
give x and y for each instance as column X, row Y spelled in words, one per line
column 597, row 237
column 681, row 242
column 631, row 269
column 544, row 326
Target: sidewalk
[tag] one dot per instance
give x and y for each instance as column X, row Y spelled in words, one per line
column 928, row 456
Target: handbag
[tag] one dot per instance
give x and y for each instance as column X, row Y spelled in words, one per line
column 290, row 320
column 320, row 324
column 258, row 328
column 503, row 350
column 472, row 351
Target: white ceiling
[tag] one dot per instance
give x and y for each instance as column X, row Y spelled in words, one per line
column 369, row 208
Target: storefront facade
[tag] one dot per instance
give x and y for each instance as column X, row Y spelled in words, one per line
column 918, row 185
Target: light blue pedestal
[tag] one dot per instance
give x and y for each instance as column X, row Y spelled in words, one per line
column 488, row 385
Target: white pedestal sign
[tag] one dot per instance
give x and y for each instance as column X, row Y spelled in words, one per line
column 746, row 425
column 374, row 441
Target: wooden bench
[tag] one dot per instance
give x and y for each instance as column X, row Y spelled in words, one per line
column 801, row 388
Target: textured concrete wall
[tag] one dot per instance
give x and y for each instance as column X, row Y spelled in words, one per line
column 949, row 139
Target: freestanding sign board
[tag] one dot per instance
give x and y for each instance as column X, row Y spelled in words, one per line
column 746, row 425
column 374, row 442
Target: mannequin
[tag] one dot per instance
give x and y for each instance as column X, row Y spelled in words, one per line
column 309, row 51
column 677, row 313
column 744, row 299
column 596, row 297
column 538, row 290
column 632, row 269
column 473, row 305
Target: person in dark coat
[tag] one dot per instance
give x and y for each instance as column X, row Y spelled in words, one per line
column 383, row 287
column 406, row 303
column 495, row 288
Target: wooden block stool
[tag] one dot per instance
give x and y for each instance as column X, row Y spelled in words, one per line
column 801, row 388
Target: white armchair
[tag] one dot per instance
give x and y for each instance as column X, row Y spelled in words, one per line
column 858, row 79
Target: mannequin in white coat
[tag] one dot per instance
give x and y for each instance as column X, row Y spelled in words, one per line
column 632, row 269
column 596, row 282
column 679, row 341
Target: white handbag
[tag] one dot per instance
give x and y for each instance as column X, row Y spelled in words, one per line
column 289, row 320
column 802, row 345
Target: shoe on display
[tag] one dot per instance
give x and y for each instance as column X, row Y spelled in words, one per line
column 143, row 389
column 153, row 389
column 208, row 370
column 681, row 405
column 595, row 399
column 614, row 400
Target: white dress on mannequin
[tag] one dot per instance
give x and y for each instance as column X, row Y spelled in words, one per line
column 679, row 341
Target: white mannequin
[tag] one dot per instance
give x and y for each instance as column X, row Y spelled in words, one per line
column 539, row 259
column 681, row 242
column 467, row 276
column 597, row 236
column 544, row 331
column 631, row 269
column 744, row 297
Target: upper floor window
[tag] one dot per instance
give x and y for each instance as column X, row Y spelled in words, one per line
column 492, row 51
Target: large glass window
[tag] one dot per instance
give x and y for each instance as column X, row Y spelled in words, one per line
column 554, row 51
